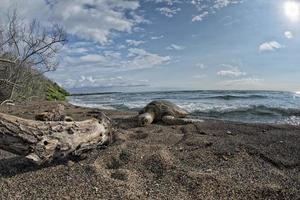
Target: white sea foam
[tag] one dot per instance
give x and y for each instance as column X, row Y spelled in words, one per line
column 133, row 105
column 104, row 107
column 293, row 120
column 246, row 106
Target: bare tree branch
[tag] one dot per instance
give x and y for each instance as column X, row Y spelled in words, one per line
column 7, row 61
column 25, row 48
column 9, row 82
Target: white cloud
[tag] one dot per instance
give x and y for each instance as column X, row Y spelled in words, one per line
column 81, row 55
column 89, row 20
column 199, row 5
column 157, row 37
column 229, row 21
column 199, row 17
column 175, row 47
column 75, row 50
column 168, row 2
column 288, row 34
column 199, row 76
column 270, row 46
column 89, row 79
column 137, row 58
column 210, row 7
column 249, row 81
column 103, row 82
column 231, row 71
column 92, row 58
column 134, row 42
column 221, row 3
column 169, row 12
column 142, row 59
column 112, row 54
column 121, row 46
column 200, row 65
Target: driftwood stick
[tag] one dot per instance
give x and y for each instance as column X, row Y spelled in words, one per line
column 8, row 101
column 42, row 141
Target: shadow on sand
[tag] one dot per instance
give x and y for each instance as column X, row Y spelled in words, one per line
column 12, row 166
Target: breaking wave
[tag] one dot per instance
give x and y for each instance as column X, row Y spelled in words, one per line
column 254, row 110
column 244, row 106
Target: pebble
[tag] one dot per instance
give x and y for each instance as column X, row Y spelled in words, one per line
column 225, row 158
column 70, row 163
column 96, row 189
column 229, row 132
column 202, row 133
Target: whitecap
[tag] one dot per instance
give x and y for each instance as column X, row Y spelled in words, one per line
column 88, row 105
column 297, row 94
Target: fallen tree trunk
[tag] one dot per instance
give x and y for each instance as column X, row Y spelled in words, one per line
column 42, row 141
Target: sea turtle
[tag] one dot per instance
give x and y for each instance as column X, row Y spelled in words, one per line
column 163, row 110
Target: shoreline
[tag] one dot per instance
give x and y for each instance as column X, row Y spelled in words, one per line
column 243, row 106
column 135, row 110
column 212, row 160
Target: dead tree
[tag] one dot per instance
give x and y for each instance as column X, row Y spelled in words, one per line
column 45, row 141
column 25, row 47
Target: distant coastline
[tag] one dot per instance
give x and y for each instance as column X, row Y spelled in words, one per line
column 93, row 93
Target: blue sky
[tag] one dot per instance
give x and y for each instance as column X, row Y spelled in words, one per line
column 119, row 45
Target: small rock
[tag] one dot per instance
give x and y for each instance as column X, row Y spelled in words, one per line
column 202, row 133
column 95, row 189
column 70, row 163
column 69, row 119
column 208, row 144
column 66, row 197
column 208, row 170
column 71, row 130
column 139, row 131
column 225, row 158
column 229, row 132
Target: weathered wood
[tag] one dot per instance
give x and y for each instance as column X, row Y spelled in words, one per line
column 42, row 141
column 56, row 114
column 7, row 102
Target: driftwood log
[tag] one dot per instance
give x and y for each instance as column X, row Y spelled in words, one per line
column 56, row 114
column 45, row 141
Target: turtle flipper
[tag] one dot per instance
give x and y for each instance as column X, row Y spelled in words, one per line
column 170, row 120
column 145, row 118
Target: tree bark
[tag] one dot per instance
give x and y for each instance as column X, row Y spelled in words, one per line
column 42, row 142
column 7, row 61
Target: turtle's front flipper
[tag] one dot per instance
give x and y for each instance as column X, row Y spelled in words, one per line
column 179, row 121
column 145, row 118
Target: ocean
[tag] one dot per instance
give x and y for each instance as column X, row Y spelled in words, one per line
column 242, row 106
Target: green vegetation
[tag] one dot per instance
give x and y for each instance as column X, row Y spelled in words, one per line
column 31, row 85
column 55, row 92
column 27, row 51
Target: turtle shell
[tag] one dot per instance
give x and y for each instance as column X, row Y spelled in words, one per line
column 162, row 108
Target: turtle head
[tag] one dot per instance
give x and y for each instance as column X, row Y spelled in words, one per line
column 145, row 119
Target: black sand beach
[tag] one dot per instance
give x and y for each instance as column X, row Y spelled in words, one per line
column 210, row 160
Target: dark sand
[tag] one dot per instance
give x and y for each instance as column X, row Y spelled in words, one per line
column 210, row 160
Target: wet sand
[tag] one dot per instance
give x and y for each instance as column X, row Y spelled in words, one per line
column 210, row 160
